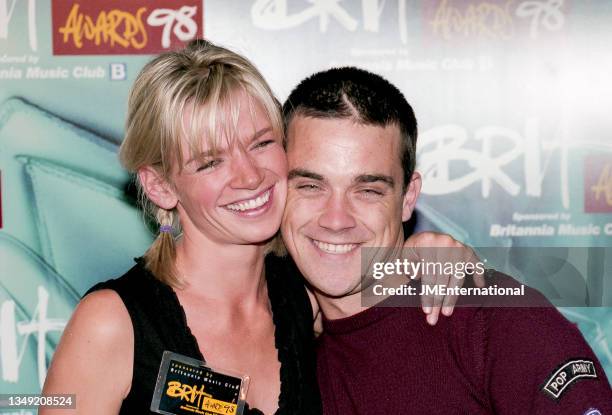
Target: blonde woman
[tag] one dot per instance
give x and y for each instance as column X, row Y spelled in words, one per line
column 204, row 137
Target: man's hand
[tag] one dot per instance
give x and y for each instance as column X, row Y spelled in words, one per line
column 421, row 246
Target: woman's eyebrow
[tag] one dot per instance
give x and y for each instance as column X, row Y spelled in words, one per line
column 261, row 132
column 216, row 152
column 204, row 155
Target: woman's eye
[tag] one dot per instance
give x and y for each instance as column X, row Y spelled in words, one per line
column 211, row 164
column 264, row 143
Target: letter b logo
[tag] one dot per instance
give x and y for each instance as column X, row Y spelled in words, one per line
column 118, row 71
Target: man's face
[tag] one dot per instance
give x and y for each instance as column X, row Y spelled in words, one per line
column 345, row 192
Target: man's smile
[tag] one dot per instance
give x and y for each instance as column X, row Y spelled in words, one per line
column 331, row 248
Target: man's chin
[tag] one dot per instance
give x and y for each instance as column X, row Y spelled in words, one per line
column 339, row 290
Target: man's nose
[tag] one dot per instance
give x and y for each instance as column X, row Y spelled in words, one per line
column 337, row 214
column 246, row 173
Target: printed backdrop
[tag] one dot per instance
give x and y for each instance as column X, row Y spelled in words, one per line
column 513, row 100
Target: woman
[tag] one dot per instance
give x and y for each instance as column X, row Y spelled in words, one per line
column 204, row 135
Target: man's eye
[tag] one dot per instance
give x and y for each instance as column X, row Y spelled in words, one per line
column 371, row 192
column 209, row 165
column 308, row 187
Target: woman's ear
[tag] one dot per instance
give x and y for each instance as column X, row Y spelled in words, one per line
column 157, row 188
column 413, row 189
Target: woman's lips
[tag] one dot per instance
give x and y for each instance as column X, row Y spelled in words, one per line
column 253, row 206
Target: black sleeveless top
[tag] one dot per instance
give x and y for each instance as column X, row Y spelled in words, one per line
column 160, row 324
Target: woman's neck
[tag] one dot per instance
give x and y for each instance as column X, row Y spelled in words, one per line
column 231, row 272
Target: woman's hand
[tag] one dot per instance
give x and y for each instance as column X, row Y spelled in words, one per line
column 424, row 246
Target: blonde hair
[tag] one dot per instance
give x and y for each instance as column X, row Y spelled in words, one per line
column 203, row 80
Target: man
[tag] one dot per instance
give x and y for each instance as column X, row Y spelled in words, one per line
column 351, row 139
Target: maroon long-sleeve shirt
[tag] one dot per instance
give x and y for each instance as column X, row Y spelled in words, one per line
column 481, row 360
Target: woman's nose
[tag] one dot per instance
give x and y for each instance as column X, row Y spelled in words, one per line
column 246, row 173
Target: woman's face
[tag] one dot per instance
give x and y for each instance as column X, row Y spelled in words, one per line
column 236, row 194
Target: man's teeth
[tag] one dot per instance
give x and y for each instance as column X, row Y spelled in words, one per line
column 250, row 204
column 334, row 248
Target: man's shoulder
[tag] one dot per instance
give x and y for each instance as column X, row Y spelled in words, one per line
column 512, row 309
column 532, row 356
column 515, row 306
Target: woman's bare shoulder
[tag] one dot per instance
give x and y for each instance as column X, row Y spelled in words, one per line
column 95, row 354
column 106, row 309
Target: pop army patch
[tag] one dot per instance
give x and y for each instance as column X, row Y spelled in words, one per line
column 567, row 374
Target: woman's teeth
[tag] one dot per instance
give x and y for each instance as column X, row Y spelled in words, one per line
column 334, row 248
column 250, row 204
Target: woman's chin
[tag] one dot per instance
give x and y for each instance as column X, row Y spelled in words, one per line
column 260, row 238
column 256, row 235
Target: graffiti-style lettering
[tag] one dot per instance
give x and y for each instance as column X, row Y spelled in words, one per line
column 191, row 394
column 484, row 20
column 494, row 19
column 40, row 325
column 448, row 145
column 185, row 27
column 115, row 27
column 603, row 187
column 542, row 13
column 273, row 15
column 6, row 13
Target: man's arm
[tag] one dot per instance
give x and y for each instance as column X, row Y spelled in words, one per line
column 434, row 247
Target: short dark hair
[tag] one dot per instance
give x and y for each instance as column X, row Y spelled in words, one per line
column 349, row 92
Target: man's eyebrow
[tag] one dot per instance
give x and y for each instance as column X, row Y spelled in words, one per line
column 372, row 178
column 295, row 173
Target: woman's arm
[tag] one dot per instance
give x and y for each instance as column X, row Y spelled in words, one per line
column 94, row 358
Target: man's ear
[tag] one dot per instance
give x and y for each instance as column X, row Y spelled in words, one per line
column 157, row 188
column 413, row 189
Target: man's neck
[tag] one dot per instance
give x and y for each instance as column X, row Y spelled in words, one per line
column 334, row 308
